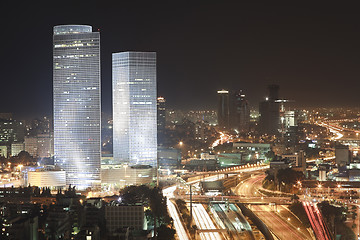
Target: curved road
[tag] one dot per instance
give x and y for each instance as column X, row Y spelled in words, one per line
column 282, row 228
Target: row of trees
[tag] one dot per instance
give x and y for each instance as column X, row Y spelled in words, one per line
column 283, row 179
column 335, row 218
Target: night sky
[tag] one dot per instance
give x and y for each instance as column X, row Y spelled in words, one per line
column 311, row 50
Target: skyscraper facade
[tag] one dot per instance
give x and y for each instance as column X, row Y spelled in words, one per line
column 223, row 109
column 134, row 108
column 242, row 113
column 77, row 109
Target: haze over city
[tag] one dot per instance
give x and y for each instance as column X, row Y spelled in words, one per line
column 310, row 50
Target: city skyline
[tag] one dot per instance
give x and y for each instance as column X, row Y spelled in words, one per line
column 201, row 48
column 135, row 148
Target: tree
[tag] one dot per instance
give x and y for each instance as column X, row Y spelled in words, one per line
column 333, row 215
column 24, row 157
column 166, row 233
column 298, row 209
column 269, row 175
column 270, row 155
column 154, row 199
column 288, row 176
column 135, row 194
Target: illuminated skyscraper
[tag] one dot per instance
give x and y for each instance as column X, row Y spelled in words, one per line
column 134, row 108
column 77, row 109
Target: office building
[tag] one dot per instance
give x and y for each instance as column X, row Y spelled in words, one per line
column 161, row 119
column 290, row 119
column 11, row 131
column 169, row 158
column 30, row 145
column 119, row 176
column 269, row 121
column 223, row 109
column 46, row 178
column 16, row 148
column 77, row 109
column 119, row 217
column 241, row 113
column 342, row 155
column 134, row 108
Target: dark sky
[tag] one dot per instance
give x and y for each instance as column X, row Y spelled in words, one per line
column 311, row 50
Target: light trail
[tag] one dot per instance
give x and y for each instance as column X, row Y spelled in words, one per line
column 180, row 230
column 317, row 222
column 179, row 227
column 322, row 222
column 203, row 221
column 278, row 225
column 169, row 193
column 223, row 139
column 275, row 223
column 333, row 129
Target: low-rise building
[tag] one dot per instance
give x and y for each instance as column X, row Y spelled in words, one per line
column 119, row 217
column 16, row 148
column 46, row 178
column 251, row 151
column 119, row 176
column 169, row 158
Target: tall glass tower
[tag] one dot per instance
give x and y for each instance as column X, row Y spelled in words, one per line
column 77, row 111
column 134, row 108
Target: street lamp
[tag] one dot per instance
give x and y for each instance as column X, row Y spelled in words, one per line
column 20, row 166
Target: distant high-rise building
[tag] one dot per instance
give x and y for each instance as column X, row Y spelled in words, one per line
column 273, row 94
column 223, row 109
column 342, row 155
column 134, row 108
column 77, row 109
column 269, row 110
column 11, row 131
column 241, row 113
column 161, row 119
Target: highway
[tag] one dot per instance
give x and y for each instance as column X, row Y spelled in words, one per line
column 280, row 227
column 180, row 229
column 179, row 226
column 272, row 216
column 203, row 221
column 234, row 221
column 249, row 187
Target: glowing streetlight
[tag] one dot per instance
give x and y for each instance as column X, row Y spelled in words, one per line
column 20, row 166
